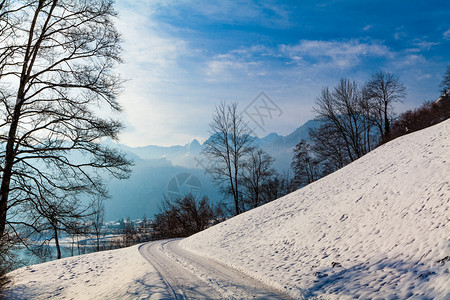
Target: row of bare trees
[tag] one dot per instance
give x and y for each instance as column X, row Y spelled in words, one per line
column 57, row 61
column 356, row 119
column 184, row 216
column 240, row 169
column 428, row 114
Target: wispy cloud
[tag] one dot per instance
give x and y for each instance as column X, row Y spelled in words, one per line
column 224, row 69
column 246, row 61
column 400, row 33
column 420, row 45
column 146, row 47
column 447, row 35
column 342, row 54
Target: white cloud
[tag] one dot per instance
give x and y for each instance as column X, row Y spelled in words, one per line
column 424, row 76
column 342, row 54
column 367, row 27
column 408, row 60
column 252, row 61
column 400, row 33
column 425, row 45
column 243, row 62
column 146, row 47
column 421, row 45
column 447, row 35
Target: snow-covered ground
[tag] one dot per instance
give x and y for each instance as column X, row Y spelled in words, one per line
column 115, row 274
column 378, row 228
column 191, row 276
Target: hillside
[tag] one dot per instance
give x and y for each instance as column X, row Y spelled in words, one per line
column 113, row 274
column 376, row 228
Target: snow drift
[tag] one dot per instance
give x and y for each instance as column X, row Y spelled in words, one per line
column 376, row 228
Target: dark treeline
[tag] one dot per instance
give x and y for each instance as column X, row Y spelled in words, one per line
column 358, row 118
column 428, row 114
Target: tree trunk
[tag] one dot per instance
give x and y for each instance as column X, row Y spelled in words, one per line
column 386, row 121
column 7, row 170
column 58, row 248
column 9, row 151
column 98, row 241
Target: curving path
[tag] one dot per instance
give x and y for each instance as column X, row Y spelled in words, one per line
column 190, row 276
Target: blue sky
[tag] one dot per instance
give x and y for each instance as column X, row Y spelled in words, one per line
column 182, row 58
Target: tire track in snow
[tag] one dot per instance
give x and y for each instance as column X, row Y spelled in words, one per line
column 191, row 276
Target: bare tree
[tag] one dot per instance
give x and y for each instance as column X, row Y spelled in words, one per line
column 96, row 221
column 381, row 91
column 428, row 114
column 182, row 217
column 227, row 147
column 329, row 148
column 58, row 56
column 280, row 185
column 306, row 167
column 256, row 175
column 53, row 215
column 343, row 109
column 445, row 84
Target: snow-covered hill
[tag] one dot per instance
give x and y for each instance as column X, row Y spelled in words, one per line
column 377, row 228
column 114, row 274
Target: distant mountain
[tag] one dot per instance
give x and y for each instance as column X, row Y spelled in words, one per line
column 156, row 166
column 280, row 147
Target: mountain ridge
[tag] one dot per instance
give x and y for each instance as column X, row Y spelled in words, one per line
column 155, row 166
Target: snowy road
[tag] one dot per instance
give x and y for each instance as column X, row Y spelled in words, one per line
column 190, row 276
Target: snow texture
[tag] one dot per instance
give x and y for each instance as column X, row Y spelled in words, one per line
column 116, row 274
column 378, row 228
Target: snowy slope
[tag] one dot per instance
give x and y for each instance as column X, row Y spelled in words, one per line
column 376, row 228
column 116, row 274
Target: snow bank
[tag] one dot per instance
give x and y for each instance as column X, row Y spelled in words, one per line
column 116, row 274
column 377, row 228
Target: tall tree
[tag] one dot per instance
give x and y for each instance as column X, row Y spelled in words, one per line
column 257, row 173
column 229, row 143
column 342, row 109
column 445, row 84
column 306, row 167
column 57, row 59
column 96, row 221
column 280, row 185
column 381, row 91
column 329, row 148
